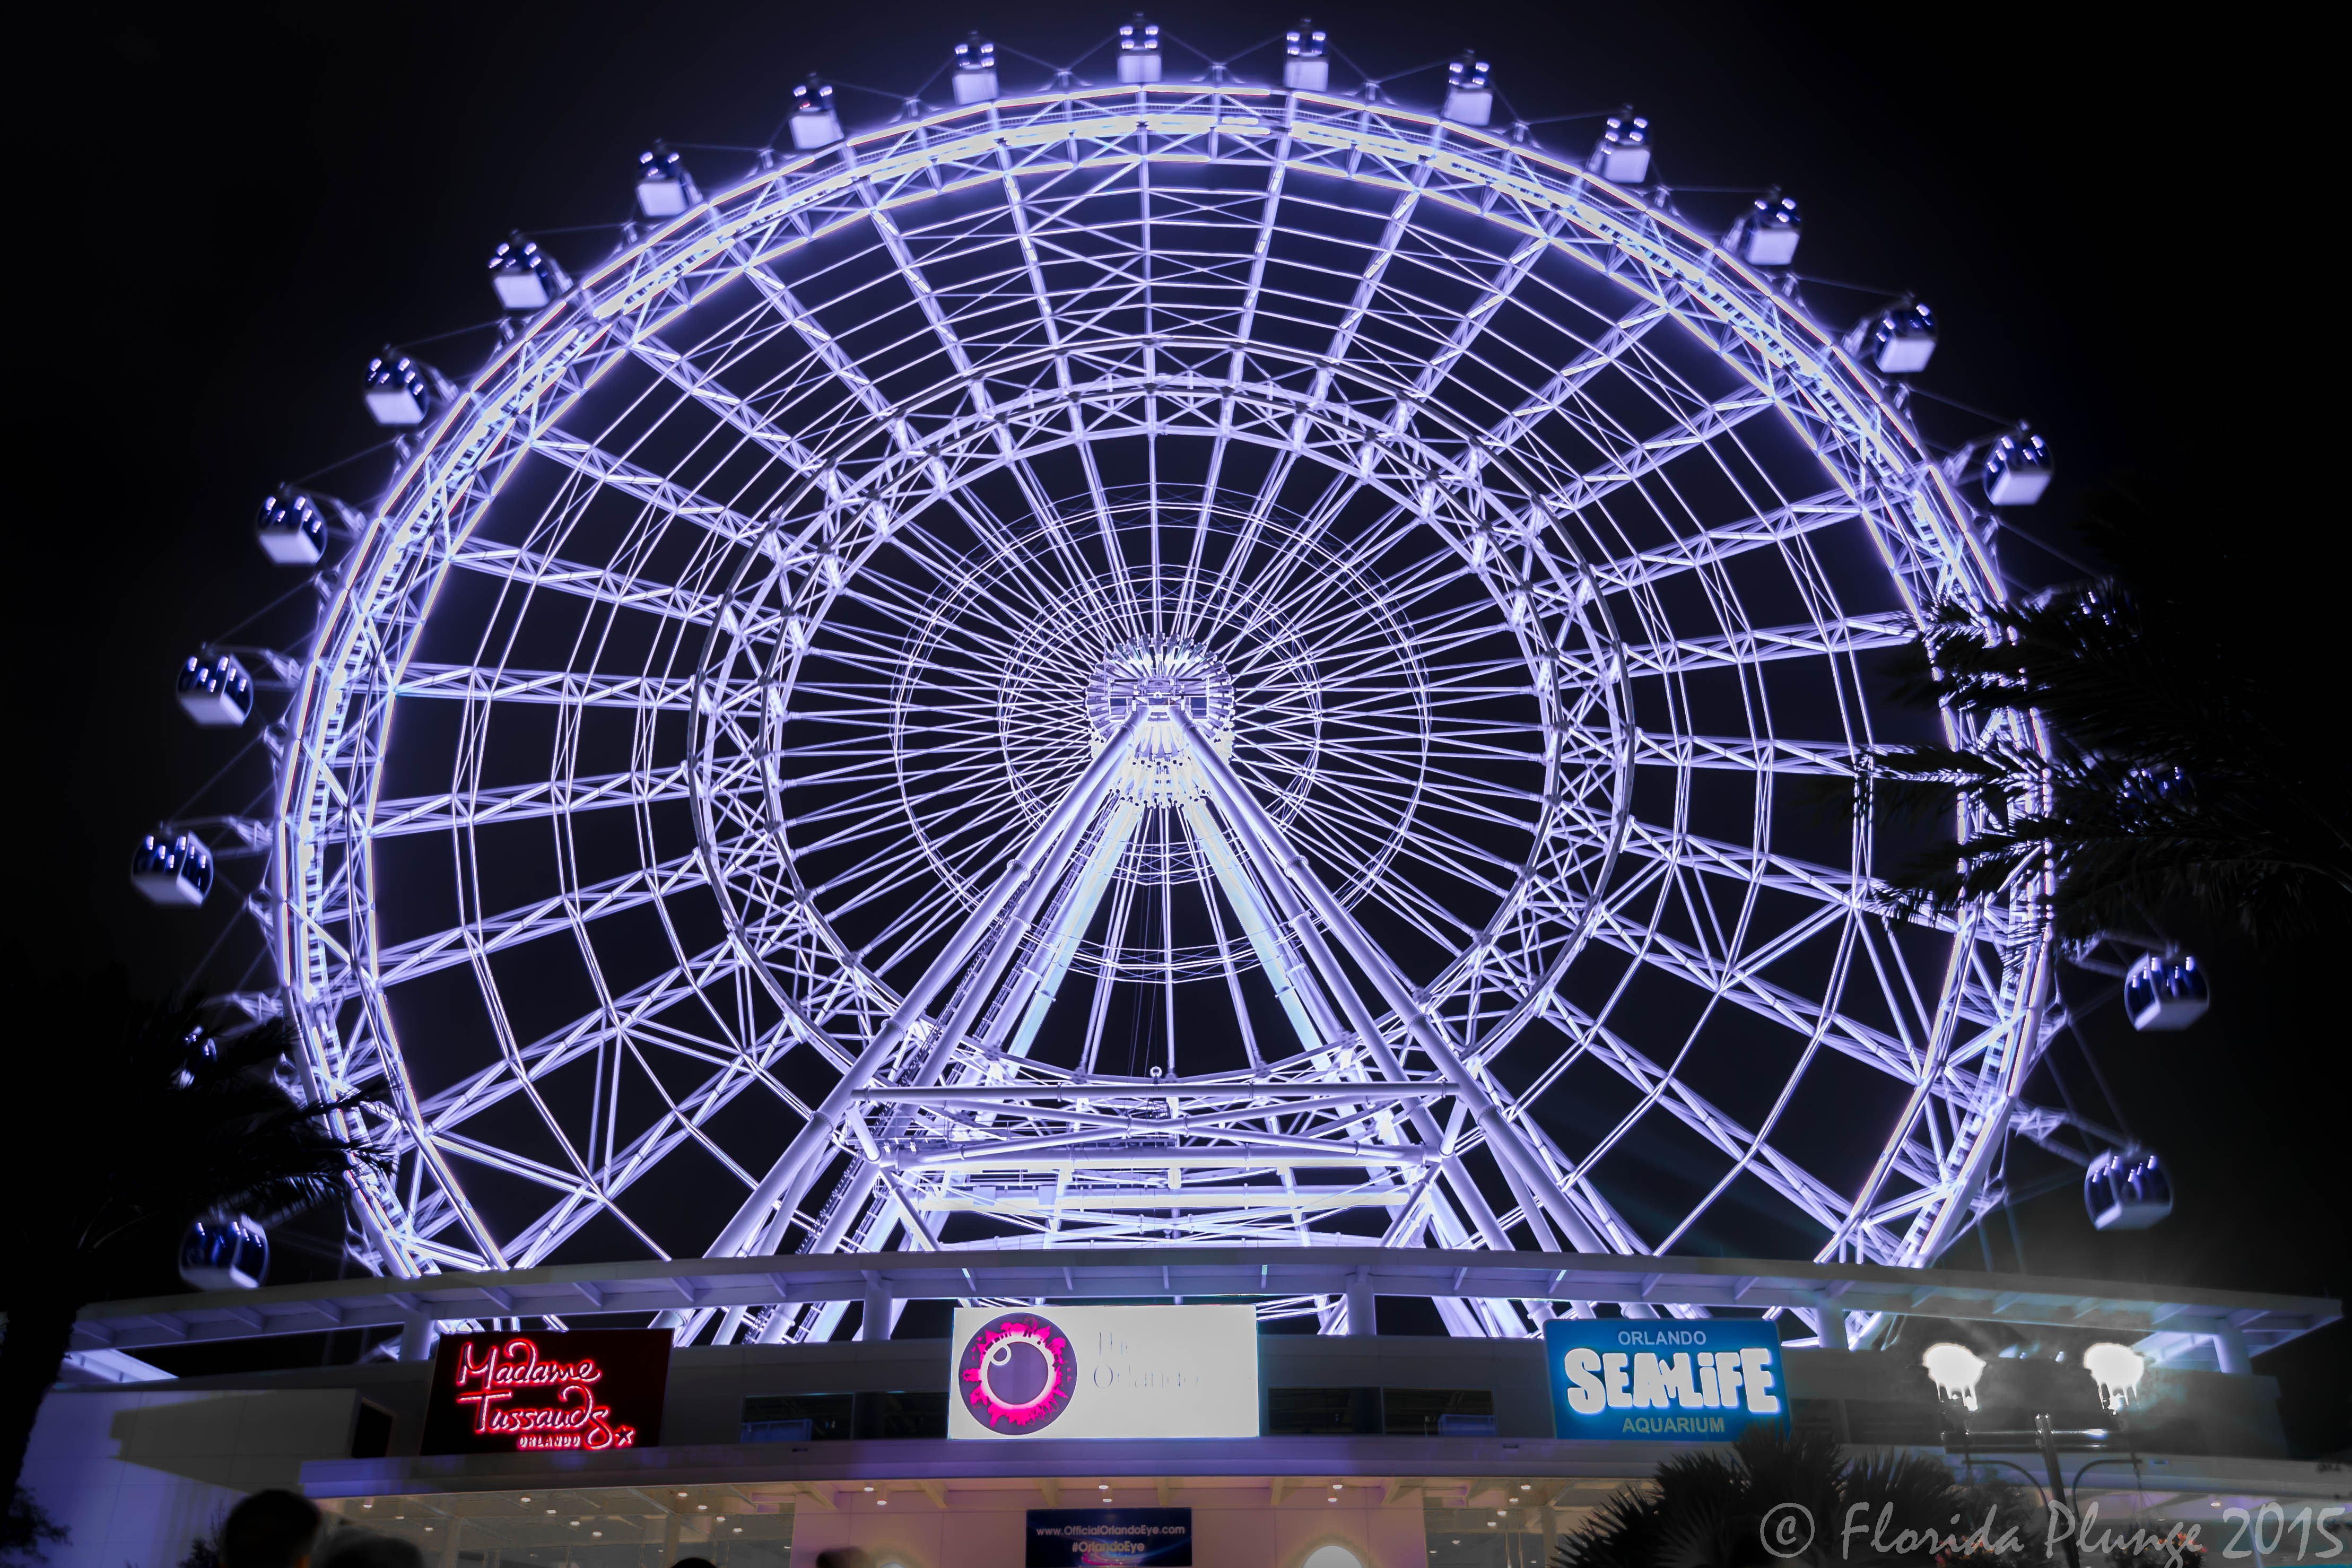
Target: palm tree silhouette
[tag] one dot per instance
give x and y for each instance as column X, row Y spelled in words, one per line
column 2172, row 774
column 129, row 1133
column 1773, row 1498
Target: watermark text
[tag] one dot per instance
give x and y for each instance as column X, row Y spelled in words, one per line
column 2262, row 1535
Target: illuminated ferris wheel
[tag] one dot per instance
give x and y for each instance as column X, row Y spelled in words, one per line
column 1145, row 660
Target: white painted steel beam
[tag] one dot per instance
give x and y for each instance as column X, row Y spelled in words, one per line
column 1554, row 498
column 1155, row 1273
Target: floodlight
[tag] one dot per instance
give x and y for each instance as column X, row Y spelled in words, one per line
column 2118, row 1369
column 1956, row 1369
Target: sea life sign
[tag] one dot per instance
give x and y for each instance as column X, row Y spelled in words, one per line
column 1701, row 1381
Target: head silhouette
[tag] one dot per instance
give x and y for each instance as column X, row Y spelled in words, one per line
column 272, row 1528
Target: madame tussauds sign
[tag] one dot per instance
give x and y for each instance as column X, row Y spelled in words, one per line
column 589, row 1390
column 1103, row 1372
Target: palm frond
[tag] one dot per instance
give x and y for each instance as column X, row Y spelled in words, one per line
column 2162, row 783
column 193, row 1124
column 1622, row 1532
column 1709, row 1509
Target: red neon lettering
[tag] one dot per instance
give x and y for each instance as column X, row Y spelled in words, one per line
column 574, row 1420
column 516, row 1364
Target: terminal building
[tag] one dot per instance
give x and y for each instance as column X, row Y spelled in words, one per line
column 1179, row 1429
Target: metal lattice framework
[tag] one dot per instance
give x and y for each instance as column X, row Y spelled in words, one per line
column 1175, row 662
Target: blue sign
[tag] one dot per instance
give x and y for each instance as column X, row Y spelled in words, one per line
column 1692, row 1381
column 1109, row 1538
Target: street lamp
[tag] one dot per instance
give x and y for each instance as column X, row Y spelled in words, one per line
column 1957, row 1370
column 2118, row 1369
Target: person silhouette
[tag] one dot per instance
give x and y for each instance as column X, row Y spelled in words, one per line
column 272, row 1528
column 361, row 1548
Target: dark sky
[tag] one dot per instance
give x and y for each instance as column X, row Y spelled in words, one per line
column 240, row 204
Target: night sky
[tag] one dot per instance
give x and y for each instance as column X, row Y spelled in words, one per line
column 229, row 208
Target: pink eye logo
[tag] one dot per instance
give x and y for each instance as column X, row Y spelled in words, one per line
column 1017, row 1372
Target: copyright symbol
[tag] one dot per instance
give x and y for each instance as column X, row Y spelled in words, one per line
column 1788, row 1529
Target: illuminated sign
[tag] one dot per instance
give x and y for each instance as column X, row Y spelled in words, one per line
column 1109, row 1538
column 589, row 1390
column 1697, row 1381
column 1103, row 1372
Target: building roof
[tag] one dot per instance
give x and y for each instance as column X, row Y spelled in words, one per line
column 2168, row 1320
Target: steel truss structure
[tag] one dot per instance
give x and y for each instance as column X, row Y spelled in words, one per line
column 1143, row 663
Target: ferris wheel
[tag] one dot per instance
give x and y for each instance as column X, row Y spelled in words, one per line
column 1139, row 661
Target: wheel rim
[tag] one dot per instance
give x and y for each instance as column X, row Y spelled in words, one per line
column 1493, row 415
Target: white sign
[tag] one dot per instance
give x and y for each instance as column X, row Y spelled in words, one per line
column 1103, row 1372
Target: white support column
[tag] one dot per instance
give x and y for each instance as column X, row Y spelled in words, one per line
column 789, row 1177
column 2229, row 1349
column 1302, row 1004
column 1833, row 1335
column 1358, row 1018
column 848, row 1202
column 875, row 1324
column 994, row 959
column 1093, row 877
column 1043, row 982
column 1526, row 1173
column 1363, row 1319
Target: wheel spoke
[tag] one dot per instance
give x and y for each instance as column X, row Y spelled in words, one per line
column 1283, row 594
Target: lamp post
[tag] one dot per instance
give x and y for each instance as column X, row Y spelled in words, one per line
column 1957, row 1370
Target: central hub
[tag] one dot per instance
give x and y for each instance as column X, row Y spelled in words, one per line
column 1165, row 677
